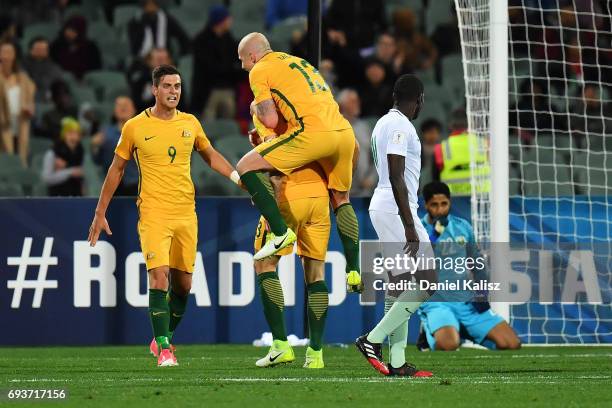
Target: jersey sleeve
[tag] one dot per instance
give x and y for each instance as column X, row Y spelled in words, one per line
column 259, row 85
column 125, row 146
column 201, row 142
column 398, row 142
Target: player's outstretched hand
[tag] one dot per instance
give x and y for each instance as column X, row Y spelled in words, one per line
column 98, row 224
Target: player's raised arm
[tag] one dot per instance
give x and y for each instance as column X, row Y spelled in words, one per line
column 111, row 182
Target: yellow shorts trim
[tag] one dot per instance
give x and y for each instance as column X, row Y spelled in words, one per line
column 169, row 242
column 309, row 219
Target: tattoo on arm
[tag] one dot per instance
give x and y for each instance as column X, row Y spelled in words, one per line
column 264, row 108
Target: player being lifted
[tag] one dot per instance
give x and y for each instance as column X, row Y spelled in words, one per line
column 393, row 210
column 304, row 202
column 161, row 140
column 317, row 132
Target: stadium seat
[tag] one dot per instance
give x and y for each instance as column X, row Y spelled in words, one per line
column 233, row 147
column 47, row 30
column 452, row 77
column 594, row 181
column 92, row 175
column 10, row 165
column 84, row 94
column 89, row 10
column 281, row 34
column 185, row 67
column 39, row 145
column 199, row 6
column 107, row 83
column 515, row 182
column 248, row 10
column 10, row 190
column 221, row 128
column 437, row 12
column 123, row 13
column 545, row 173
column 432, row 109
column 191, row 22
column 240, row 28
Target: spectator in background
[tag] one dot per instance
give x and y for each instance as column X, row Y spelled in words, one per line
column 216, row 70
column 327, row 71
column 534, row 111
column 41, row 68
column 17, row 103
column 431, row 135
column 454, row 156
column 8, row 29
column 364, row 177
column 416, row 50
column 62, row 169
column 589, row 105
column 377, row 92
column 63, row 106
column 73, row 51
column 139, row 77
column 104, row 142
column 154, row 28
column 386, row 51
column 279, row 10
column 358, row 21
column 446, row 36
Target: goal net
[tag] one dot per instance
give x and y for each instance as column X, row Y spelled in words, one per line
column 559, row 130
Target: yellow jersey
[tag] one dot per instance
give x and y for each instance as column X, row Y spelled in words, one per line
column 299, row 91
column 162, row 150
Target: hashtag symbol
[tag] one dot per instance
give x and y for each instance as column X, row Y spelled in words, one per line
column 40, row 283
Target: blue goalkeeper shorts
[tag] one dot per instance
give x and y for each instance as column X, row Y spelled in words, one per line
column 436, row 315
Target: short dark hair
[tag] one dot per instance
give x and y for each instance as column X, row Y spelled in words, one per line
column 429, row 124
column 160, row 71
column 435, row 187
column 407, row 88
column 458, row 119
column 37, row 39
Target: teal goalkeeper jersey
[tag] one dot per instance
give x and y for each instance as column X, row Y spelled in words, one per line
column 452, row 248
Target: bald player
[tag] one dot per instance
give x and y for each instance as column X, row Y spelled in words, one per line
column 317, row 132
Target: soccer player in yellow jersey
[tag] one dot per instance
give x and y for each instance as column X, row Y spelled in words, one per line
column 161, row 140
column 304, row 202
column 317, row 132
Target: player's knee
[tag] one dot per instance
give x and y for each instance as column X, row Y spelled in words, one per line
column 508, row 343
column 182, row 290
column 447, row 344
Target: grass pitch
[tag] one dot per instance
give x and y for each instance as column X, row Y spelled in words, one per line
column 226, row 376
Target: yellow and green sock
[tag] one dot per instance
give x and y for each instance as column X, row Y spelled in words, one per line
column 273, row 302
column 318, row 302
column 261, row 191
column 159, row 313
column 348, row 229
column 176, row 305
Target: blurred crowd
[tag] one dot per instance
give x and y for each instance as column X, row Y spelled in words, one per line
column 71, row 92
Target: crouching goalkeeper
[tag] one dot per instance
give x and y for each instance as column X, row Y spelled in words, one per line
column 446, row 323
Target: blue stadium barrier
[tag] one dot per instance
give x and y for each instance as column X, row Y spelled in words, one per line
column 80, row 295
